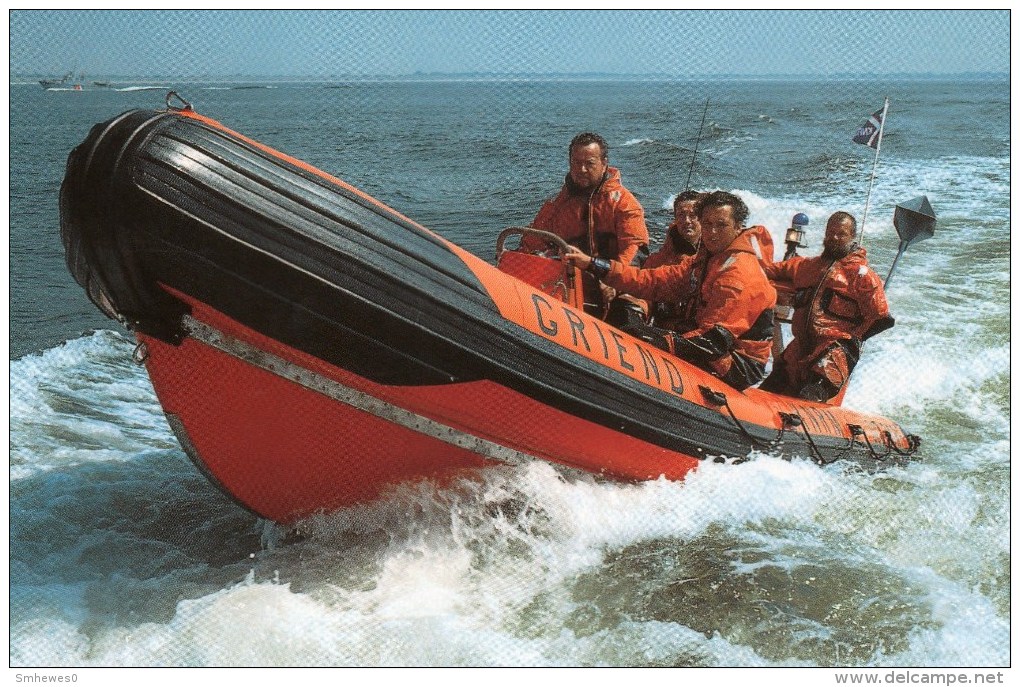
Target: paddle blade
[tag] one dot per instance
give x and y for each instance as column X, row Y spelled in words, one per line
column 914, row 221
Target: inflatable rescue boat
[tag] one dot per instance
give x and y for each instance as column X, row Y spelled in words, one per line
column 311, row 346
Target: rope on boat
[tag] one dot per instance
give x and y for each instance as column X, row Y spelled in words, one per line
column 719, row 399
column 891, row 447
column 790, row 421
column 912, row 439
column 816, row 453
column 793, row 420
column 852, row 443
column 887, row 440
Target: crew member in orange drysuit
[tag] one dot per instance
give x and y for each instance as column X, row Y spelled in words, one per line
column 839, row 303
column 683, row 236
column 729, row 330
column 593, row 211
column 683, row 243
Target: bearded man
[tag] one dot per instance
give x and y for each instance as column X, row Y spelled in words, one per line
column 839, row 303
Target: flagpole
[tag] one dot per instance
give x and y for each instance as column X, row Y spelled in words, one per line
column 874, row 168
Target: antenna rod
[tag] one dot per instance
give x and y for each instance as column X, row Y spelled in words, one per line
column 687, row 186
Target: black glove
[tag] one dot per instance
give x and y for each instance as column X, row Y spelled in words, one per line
column 714, row 343
column 629, row 318
column 625, row 314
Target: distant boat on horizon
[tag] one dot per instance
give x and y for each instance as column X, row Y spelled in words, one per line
column 69, row 82
column 61, row 82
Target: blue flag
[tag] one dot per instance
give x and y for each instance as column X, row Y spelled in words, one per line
column 869, row 132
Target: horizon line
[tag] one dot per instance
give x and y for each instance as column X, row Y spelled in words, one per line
column 423, row 75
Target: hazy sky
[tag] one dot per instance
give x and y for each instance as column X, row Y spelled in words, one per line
column 216, row 43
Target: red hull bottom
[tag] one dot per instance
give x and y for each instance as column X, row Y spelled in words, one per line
column 288, row 435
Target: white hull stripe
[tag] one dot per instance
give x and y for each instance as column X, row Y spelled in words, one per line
column 351, row 397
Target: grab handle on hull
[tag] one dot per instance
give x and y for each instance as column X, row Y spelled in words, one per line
column 185, row 105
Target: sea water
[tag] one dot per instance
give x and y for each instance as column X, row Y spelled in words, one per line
column 122, row 553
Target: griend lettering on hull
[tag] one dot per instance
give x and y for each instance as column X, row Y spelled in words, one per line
column 820, row 420
column 597, row 341
column 826, row 421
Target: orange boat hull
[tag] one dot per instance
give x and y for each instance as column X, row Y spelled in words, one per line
column 311, row 347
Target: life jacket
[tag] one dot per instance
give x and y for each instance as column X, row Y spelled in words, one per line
column 607, row 222
column 762, row 245
column 834, row 300
column 736, row 295
column 678, row 314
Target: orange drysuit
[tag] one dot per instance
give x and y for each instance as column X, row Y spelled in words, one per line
column 673, row 250
column 837, row 305
column 607, row 222
column 677, row 314
column 730, row 318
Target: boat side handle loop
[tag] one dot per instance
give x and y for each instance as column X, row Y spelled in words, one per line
column 791, row 420
column 185, row 105
column 855, row 431
column 814, row 449
column 716, row 398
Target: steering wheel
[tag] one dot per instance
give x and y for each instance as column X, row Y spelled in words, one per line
column 560, row 244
